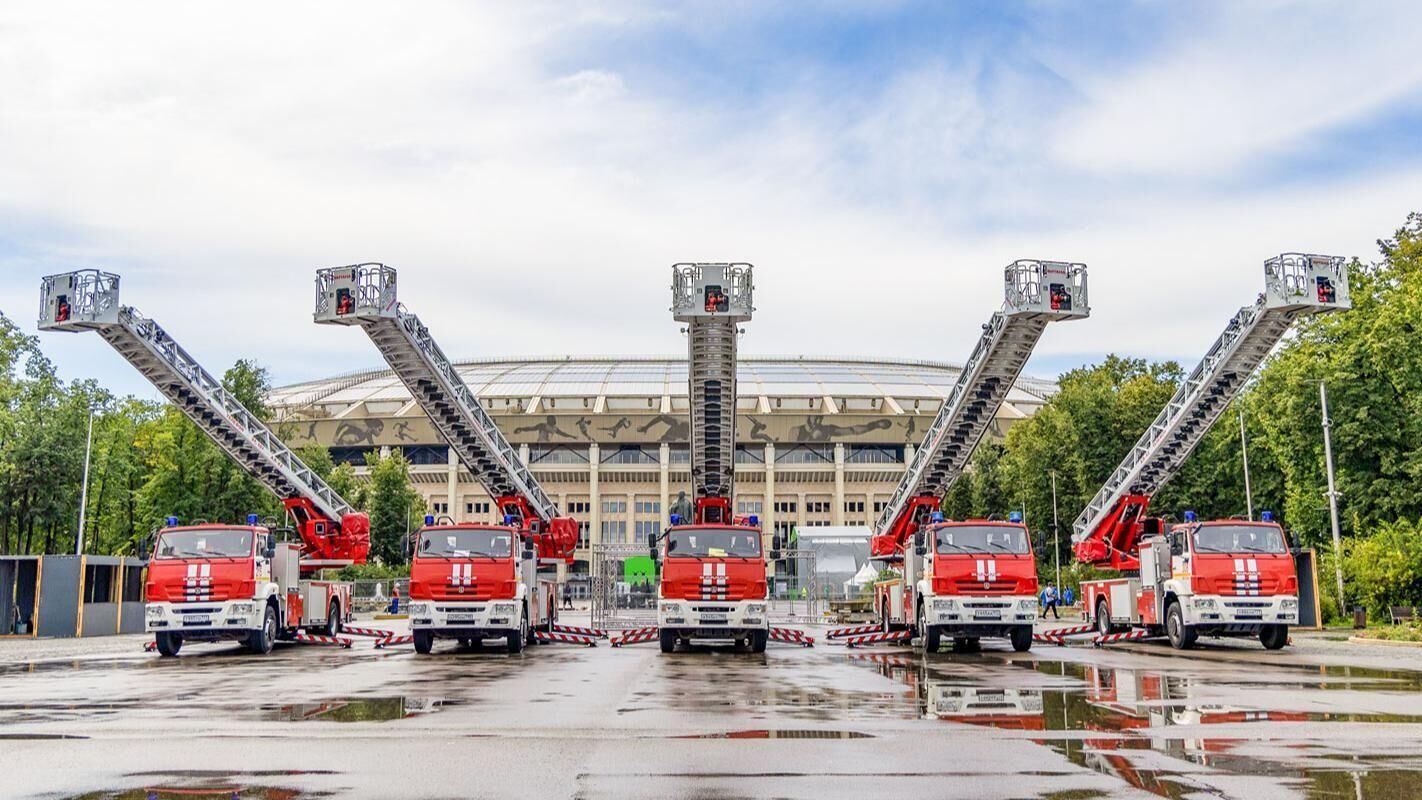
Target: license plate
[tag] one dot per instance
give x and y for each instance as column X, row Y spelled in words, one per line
column 715, row 618
column 988, row 614
column 197, row 619
column 461, row 617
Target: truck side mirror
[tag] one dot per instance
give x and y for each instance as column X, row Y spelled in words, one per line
column 528, row 549
column 775, row 544
column 142, row 548
column 652, row 545
column 270, row 552
column 920, row 547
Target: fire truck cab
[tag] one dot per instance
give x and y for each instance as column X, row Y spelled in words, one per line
column 713, row 583
column 472, row 582
column 213, row 582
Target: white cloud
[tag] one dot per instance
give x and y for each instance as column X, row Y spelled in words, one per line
column 1244, row 82
column 533, row 202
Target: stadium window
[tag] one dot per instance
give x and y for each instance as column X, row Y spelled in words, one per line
column 614, row 506
column 749, row 506
column 786, row 506
column 477, row 508
column 854, row 506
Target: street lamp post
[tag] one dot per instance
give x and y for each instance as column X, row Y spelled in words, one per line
column 1244, row 453
column 1332, row 497
column 1056, row 532
column 84, row 490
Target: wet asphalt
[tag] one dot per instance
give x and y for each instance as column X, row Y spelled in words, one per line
column 100, row 718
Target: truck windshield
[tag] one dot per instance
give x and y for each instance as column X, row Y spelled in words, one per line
column 1239, row 539
column 466, row 543
column 713, row 543
column 205, row 543
column 981, row 539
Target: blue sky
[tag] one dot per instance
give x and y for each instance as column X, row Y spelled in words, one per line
column 532, row 169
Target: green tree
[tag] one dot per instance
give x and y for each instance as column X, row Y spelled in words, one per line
column 393, row 504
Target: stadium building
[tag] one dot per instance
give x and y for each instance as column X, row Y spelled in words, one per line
column 821, row 441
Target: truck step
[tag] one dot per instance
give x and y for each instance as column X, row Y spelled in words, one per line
column 574, row 629
column 857, row 630
column 311, row 638
column 565, row 638
column 896, row 637
column 636, row 636
column 1126, row 636
column 791, row 636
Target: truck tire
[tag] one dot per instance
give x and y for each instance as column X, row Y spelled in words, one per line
column 423, row 641
column 1274, row 637
column 1103, row 618
column 758, row 640
column 932, row 637
column 519, row 638
column 1182, row 636
column 668, row 640
column 884, row 618
column 169, row 644
column 261, row 640
column 1021, row 638
column 333, row 619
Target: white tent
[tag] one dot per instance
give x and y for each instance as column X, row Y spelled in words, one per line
column 866, row 574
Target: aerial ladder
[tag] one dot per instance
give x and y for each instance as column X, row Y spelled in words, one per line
column 972, row 578
column 713, row 582
column 455, row 593
column 241, row 586
column 1223, row 577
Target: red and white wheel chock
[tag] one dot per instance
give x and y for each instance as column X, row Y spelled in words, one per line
column 1125, row 636
column 311, row 638
column 791, row 636
column 857, row 630
column 564, row 638
column 897, row 637
column 580, row 631
column 636, row 636
column 1058, row 636
column 394, row 640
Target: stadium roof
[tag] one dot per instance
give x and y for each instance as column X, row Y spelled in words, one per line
column 766, row 377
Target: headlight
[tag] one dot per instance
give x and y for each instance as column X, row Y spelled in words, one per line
column 671, row 608
column 418, row 608
column 1204, row 602
column 154, row 612
column 755, row 608
column 1026, row 605
column 1289, row 604
column 944, row 604
column 242, row 608
column 504, row 608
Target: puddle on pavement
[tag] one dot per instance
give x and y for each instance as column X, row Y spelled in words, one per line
column 1132, row 713
column 779, row 734
column 365, row 709
column 209, row 785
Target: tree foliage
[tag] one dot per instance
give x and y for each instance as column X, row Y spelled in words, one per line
column 394, row 506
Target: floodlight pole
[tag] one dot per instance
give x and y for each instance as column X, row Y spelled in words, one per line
column 1244, row 452
column 84, row 490
column 1056, row 532
column 1332, row 497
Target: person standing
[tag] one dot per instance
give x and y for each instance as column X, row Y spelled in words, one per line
column 395, row 598
column 567, row 596
column 1051, row 604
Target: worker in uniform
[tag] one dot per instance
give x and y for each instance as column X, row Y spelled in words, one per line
column 1051, row 603
column 567, row 596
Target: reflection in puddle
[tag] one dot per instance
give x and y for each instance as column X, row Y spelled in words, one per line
column 763, row 733
column 1120, row 722
column 377, row 709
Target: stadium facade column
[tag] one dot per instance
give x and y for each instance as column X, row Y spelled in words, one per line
column 456, row 509
column 767, row 506
column 594, row 498
column 664, row 480
column 837, row 510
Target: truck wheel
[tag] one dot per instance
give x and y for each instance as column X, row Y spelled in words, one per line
column 1182, row 636
column 1103, row 619
column 1022, row 638
column 333, row 619
column 517, row 639
column 169, row 644
column 932, row 637
column 668, row 640
column 423, row 641
column 758, row 640
column 884, row 618
column 260, row 641
column 1274, row 637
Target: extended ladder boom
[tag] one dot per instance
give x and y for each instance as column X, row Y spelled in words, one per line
column 333, row 532
column 1037, row 292
column 1107, row 531
column 712, row 299
column 364, row 295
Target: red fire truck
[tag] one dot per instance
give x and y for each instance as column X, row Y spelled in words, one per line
column 469, row 581
column 970, row 579
column 215, row 582
column 1215, row 578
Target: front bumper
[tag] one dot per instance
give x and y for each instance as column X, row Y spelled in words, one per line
column 711, row 619
column 1240, row 611
column 967, row 611
column 465, row 619
column 198, row 619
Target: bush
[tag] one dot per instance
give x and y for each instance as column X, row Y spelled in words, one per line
column 1407, row 632
column 373, row 572
column 1382, row 568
